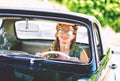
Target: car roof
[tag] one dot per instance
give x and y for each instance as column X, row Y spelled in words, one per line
column 85, row 16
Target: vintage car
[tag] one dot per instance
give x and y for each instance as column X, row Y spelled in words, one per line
column 23, row 32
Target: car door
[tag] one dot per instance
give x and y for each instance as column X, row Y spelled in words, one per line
column 103, row 57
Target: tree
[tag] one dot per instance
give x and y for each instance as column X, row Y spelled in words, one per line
column 106, row 11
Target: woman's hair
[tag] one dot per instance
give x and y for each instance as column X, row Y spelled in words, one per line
column 55, row 46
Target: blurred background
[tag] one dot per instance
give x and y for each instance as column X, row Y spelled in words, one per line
column 106, row 11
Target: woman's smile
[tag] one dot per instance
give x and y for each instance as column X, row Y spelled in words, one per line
column 64, row 38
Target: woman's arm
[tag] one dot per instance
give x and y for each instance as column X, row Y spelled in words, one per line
column 84, row 57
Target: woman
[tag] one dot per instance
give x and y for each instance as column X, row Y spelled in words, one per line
column 66, row 43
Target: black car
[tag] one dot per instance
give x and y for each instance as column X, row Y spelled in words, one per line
column 23, row 32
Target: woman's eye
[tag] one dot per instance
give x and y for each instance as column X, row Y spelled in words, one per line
column 70, row 32
column 66, row 31
column 61, row 31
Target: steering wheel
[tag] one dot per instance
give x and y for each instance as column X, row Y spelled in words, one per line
column 56, row 52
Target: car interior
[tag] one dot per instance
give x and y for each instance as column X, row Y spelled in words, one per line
column 10, row 38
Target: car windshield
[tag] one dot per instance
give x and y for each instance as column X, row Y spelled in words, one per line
column 33, row 35
column 44, row 32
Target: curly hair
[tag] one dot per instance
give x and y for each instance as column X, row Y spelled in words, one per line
column 55, row 46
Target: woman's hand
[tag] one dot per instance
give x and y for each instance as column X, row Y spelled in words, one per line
column 71, row 58
column 74, row 59
column 39, row 54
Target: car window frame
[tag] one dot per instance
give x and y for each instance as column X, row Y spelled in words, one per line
column 69, row 18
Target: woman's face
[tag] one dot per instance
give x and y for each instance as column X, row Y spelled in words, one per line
column 65, row 34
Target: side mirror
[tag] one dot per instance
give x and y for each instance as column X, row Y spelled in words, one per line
column 113, row 66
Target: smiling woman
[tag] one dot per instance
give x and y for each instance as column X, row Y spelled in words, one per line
column 65, row 42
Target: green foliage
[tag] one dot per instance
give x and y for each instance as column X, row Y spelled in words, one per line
column 106, row 11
